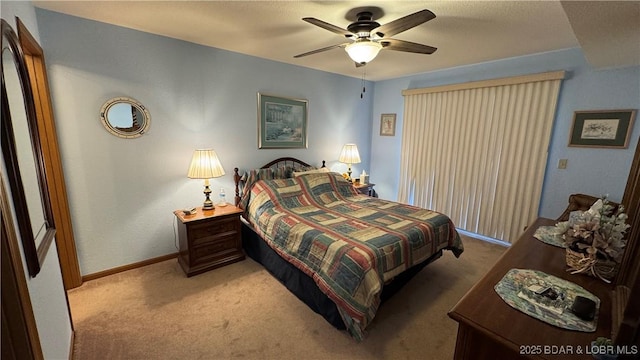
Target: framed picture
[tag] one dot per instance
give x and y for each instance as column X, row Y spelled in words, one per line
column 388, row 125
column 602, row 128
column 282, row 122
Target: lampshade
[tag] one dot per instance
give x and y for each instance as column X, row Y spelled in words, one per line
column 349, row 154
column 205, row 165
column 363, row 51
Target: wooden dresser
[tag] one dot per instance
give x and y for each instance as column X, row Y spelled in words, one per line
column 209, row 239
column 490, row 329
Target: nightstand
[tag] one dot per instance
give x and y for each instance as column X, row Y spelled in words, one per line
column 366, row 189
column 209, row 239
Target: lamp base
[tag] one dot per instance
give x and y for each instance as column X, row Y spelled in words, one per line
column 208, row 204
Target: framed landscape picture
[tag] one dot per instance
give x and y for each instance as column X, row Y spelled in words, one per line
column 388, row 125
column 602, row 128
column 282, row 122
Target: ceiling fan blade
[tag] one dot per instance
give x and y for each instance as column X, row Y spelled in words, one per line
column 325, row 25
column 407, row 46
column 404, row 23
column 320, row 50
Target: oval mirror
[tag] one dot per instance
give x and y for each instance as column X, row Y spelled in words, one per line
column 125, row 117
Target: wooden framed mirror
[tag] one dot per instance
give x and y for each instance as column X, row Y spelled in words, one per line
column 22, row 157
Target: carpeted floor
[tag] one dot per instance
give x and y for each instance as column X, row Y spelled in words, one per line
column 241, row 311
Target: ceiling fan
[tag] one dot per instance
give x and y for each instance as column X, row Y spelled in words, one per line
column 368, row 37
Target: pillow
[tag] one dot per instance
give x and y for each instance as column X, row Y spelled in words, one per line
column 283, row 172
column 251, row 178
column 313, row 171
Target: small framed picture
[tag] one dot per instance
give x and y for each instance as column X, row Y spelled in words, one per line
column 282, row 122
column 602, row 128
column 388, row 125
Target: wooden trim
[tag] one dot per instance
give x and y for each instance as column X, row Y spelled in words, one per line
column 65, row 243
column 71, row 344
column 619, row 301
column 129, row 267
column 629, row 331
column 555, row 75
column 630, row 266
column 16, row 297
column 236, row 179
column 627, row 325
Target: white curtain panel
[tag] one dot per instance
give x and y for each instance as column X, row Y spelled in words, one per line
column 477, row 151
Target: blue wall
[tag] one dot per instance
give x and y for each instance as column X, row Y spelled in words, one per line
column 122, row 193
column 590, row 170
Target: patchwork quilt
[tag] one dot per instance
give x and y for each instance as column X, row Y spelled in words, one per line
column 349, row 243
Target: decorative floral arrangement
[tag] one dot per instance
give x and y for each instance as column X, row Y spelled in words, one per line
column 595, row 240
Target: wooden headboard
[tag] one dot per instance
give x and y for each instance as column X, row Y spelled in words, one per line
column 280, row 162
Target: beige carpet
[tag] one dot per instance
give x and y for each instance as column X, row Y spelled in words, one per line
column 241, row 311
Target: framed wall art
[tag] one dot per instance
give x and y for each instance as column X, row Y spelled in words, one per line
column 282, row 122
column 388, row 125
column 602, row 128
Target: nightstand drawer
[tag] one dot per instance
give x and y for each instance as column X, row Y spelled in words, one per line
column 216, row 249
column 200, row 232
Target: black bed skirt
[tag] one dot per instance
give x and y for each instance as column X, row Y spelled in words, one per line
column 303, row 286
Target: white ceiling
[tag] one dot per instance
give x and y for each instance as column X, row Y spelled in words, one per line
column 465, row 32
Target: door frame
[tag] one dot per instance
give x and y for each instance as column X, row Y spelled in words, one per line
column 65, row 242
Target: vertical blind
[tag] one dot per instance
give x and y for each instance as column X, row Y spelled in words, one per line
column 477, row 151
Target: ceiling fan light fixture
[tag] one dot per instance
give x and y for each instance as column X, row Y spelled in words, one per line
column 363, row 51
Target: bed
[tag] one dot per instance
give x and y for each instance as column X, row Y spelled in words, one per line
column 340, row 252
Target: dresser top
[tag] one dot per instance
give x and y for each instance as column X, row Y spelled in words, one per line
column 482, row 308
column 207, row 214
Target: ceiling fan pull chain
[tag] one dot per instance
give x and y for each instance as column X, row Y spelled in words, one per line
column 364, row 72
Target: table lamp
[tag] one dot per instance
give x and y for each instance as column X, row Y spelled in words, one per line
column 349, row 156
column 205, row 165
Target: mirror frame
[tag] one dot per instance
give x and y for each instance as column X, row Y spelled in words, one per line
column 34, row 255
column 104, row 114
